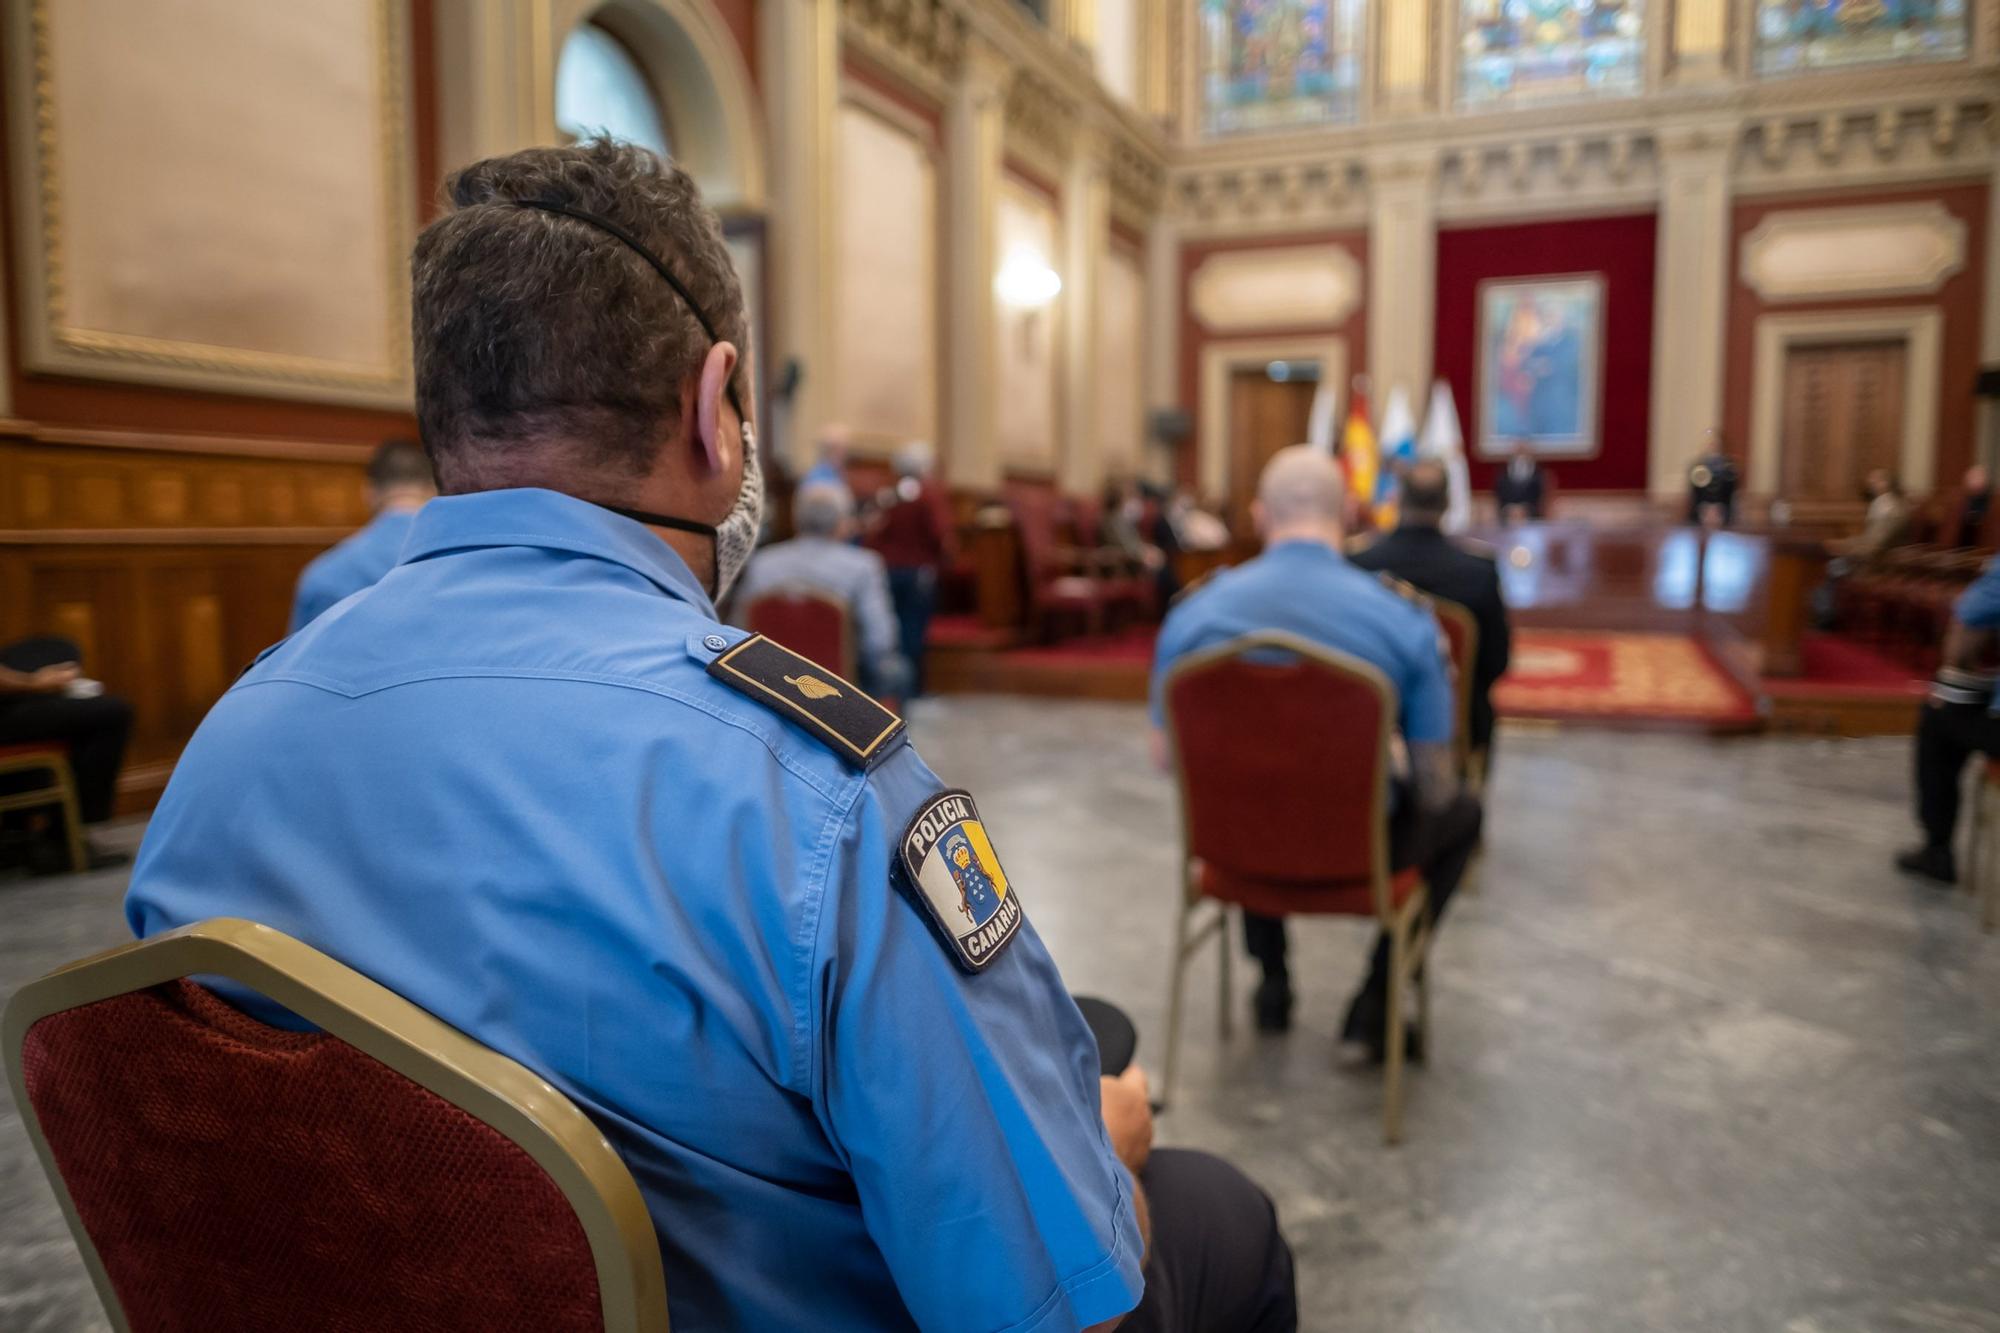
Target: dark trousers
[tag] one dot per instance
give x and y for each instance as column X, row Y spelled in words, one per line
column 93, row 730
column 913, row 590
column 1218, row 1263
column 1947, row 736
column 1440, row 843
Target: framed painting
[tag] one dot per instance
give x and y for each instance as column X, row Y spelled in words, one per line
column 1541, row 352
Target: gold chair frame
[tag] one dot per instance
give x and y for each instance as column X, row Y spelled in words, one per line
column 340, row 1001
column 1981, row 855
column 848, row 665
column 1460, row 616
column 1408, row 926
column 61, row 792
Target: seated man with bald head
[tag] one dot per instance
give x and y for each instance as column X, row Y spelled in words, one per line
column 1302, row 585
column 823, row 559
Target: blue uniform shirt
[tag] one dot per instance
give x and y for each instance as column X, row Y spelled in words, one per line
column 354, row 563
column 502, row 783
column 1979, row 607
column 1309, row 589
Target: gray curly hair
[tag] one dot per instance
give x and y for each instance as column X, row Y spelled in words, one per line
column 543, row 342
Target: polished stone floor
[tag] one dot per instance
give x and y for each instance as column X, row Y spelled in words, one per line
column 1701, row 1062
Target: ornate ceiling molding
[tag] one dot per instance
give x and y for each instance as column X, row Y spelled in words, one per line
column 1041, row 123
column 921, row 40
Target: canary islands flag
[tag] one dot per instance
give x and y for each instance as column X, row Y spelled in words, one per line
column 1399, row 450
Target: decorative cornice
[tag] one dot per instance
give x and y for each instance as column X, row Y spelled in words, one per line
column 921, row 40
column 1040, row 122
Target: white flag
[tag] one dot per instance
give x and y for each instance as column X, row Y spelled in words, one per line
column 1441, row 440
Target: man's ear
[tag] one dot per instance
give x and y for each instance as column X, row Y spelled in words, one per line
column 1257, row 517
column 716, row 368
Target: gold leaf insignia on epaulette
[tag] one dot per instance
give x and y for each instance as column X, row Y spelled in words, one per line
column 1409, row 592
column 812, row 687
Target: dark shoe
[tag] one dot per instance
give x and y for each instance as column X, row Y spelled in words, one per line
column 1273, row 1005
column 1934, row 863
column 1367, row 1026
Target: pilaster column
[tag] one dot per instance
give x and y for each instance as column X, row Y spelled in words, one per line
column 1700, row 40
column 1690, row 296
column 801, row 42
column 975, row 131
column 1986, row 416
column 496, row 78
column 1402, row 272
column 1404, row 83
column 1086, row 235
column 1163, row 332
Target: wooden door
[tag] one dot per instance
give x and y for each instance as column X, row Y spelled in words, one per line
column 1843, row 418
column 1265, row 415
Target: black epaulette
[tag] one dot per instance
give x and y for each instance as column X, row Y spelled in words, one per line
column 826, row 706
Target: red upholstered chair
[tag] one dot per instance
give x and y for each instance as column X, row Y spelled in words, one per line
column 1060, row 582
column 1281, row 748
column 58, row 792
column 382, row 1172
column 811, row 623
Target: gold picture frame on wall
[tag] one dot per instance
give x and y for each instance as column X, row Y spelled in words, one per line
column 222, row 205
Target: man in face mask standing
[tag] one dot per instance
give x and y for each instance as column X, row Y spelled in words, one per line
column 529, row 782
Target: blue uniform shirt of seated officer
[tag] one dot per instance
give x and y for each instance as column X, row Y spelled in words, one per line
column 399, row 484
column 823, row 558
column 505, row 783
column 1302, row 584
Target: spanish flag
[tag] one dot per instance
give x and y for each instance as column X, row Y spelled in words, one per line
column 1359, row 458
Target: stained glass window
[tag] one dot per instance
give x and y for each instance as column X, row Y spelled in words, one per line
column 1279, row 64
column 1794, row 36
column 1526, row 49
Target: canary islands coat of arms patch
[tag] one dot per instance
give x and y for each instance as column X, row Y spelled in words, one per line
column 957, row 880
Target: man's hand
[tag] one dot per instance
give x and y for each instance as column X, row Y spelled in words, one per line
column 48, row 680
column 1434, row 773
column 1128, row 1115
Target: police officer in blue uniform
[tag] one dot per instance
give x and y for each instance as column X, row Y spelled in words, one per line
column 529, row 782
column 399, row 484
column 1302, row 584
column 1961, row 718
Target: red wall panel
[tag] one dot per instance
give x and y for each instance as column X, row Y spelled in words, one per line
column 1195, row 335
column 1958, row 298
column 1619, row 248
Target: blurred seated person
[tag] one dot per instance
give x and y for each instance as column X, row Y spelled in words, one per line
column 1712, row 482
column 46, row 698
column 1195, row 529
column 1975, row 501
column 1961, row 718
column 1521, row 491
column 1419, row 553
column 1125, row 524
column 909, row 531
column 823, row 558
column 1303, row 585
column 1886, row 525
column 830, row 469
column 399, row 484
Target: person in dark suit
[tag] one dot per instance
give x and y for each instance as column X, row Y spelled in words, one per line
column 1419, row 553
column 1521, row 491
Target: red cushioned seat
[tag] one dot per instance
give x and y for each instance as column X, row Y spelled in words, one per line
column 813, row 624
column 1354, row 897
column 232, row 1177
column 1281, row 749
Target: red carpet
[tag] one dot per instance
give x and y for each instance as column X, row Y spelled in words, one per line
column 1834, row 663
column 1616, row 677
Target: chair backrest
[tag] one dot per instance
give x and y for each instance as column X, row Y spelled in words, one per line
column 1281, row 747
column 383, row 1171
column 1461, row 635
column 810, row 622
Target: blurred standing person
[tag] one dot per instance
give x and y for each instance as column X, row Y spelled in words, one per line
column 1521, row 491
column 1975, row 502
column 914, row 541
column 399, row 484
column 1712, row 483
column 831, row 466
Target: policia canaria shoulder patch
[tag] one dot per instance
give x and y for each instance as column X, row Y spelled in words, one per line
column 835, row 712
column 957, row 880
